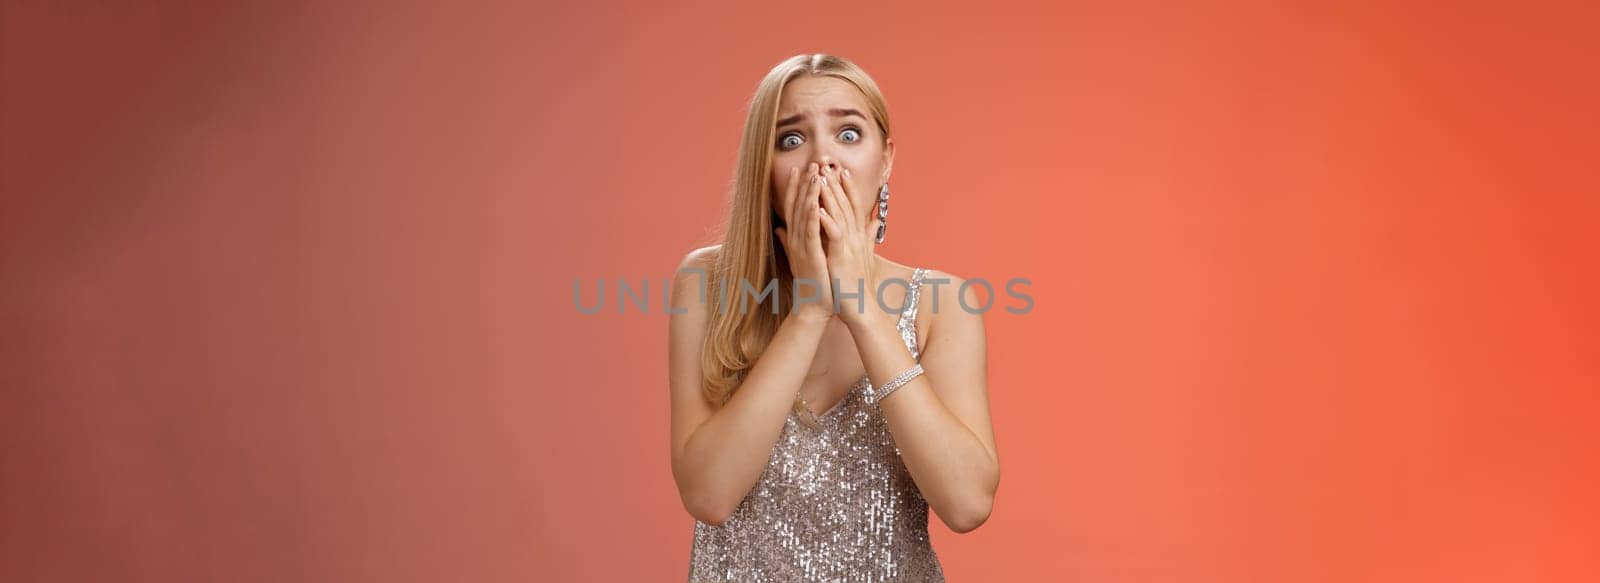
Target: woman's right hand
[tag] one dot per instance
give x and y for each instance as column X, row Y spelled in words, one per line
column 802, row 242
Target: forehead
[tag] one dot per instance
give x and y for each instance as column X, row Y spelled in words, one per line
column 808, row 93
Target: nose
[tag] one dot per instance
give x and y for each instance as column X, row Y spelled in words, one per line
column 827, row 162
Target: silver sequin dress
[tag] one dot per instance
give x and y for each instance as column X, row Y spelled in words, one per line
column 835, row 503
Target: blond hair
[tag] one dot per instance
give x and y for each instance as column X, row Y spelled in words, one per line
column 750, row 251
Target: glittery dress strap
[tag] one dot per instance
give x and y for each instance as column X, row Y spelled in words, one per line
column 908, row 316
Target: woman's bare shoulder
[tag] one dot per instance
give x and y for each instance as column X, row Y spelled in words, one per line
column 702, row 258
column 953, row 296
column 693, row 275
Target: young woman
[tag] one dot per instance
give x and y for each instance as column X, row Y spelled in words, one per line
column 814, row 426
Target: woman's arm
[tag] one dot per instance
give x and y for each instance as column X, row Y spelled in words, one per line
column 719, row 453
column 940, row 420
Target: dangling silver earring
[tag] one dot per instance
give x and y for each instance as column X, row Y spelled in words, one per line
column 883, row 211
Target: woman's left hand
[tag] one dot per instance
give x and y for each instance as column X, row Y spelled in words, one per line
column 850, row 248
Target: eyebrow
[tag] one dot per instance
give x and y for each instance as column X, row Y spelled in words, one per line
column 835, row 112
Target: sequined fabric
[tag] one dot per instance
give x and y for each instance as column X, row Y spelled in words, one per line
column 834, row 504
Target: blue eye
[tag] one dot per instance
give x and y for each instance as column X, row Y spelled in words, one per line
column 788, row 141
column 853, row 134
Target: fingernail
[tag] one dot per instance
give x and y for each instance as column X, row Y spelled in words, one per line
column 846, row 172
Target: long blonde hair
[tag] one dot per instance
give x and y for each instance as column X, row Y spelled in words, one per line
column 750, row 250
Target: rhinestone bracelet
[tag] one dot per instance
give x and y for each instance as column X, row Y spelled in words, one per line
column 898, row 381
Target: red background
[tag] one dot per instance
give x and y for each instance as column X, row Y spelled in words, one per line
column 288, row 288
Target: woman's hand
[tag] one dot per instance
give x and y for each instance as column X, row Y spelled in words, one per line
column 850, row 255
column 802, row 242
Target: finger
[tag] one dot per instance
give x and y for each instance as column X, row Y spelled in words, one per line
column 792, row 191
column 832, row 199
column 830, row 203
column 807, row 181
column 852, row 218
column 796, row 202
column 814, row 193
column 830, row 225
column 814, row 229
column 848, row 193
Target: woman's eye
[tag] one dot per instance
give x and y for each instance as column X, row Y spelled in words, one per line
column 789, row 141
column 850, row 134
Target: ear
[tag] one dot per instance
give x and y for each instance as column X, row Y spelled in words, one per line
column 888, row 157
